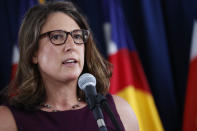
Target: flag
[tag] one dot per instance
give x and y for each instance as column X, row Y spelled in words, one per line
column 160, row 37
column 15, row 59
column 190, row 112
column 128, row 78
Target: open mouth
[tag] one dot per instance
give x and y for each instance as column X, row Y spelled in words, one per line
column 68, row 61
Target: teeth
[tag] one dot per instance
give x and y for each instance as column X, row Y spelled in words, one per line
column 70, row 61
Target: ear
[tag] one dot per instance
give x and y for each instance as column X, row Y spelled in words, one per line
column 35, row 58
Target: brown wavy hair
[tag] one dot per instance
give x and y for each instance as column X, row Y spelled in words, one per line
column 27, row 90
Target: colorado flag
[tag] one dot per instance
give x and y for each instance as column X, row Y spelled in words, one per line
column 128, row 78
column 190, row 112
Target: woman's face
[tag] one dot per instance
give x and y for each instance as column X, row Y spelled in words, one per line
column 63, row 62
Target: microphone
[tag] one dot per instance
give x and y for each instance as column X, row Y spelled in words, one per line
column 87, row 83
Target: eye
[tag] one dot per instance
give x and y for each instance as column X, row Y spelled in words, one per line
column 57, row 37
column 77, row 36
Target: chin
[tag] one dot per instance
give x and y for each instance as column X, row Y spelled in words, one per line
column 73, row 76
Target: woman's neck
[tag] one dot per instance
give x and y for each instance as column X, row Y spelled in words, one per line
column 62, row 96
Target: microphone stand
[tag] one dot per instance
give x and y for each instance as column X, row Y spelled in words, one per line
column 102, row 100
column 97, row 112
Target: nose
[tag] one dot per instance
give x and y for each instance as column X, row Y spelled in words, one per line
column 69, row 43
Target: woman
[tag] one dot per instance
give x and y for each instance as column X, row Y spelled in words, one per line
column 56, row 47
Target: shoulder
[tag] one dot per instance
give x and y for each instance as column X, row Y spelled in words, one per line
column 7, row 120
column 126, row 114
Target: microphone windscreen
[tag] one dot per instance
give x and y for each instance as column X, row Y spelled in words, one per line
column 85, row 80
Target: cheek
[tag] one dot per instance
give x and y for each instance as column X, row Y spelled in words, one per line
column 46, row 56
